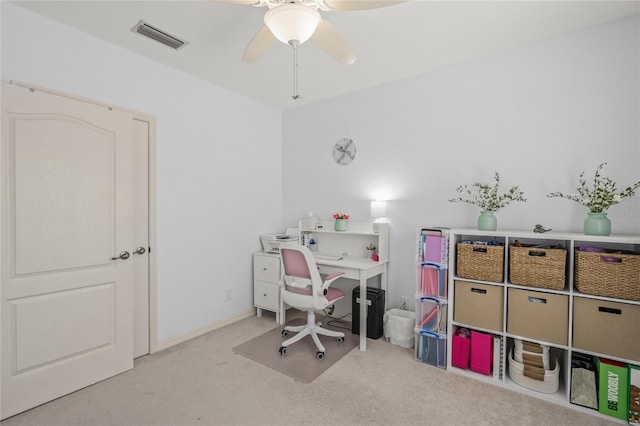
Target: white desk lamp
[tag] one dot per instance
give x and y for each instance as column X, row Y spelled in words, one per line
column 378, row 213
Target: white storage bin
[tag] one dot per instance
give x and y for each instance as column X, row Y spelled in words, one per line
column 519, row 345
column 526, row 357
column 398, row 327
column 550, row 383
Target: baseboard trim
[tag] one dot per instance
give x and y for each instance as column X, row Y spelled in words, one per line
column 172, row 341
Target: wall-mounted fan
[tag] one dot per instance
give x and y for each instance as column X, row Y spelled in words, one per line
column 295, row 21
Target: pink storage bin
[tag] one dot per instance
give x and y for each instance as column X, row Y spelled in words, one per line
column 481, row 352
column 460, row 344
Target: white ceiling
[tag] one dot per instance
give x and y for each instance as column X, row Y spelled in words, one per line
column 391, row 43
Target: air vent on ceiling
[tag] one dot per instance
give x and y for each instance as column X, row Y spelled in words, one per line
column 158, row 35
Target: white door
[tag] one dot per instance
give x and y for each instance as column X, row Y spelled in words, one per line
column 65, row 305
column 140, row 238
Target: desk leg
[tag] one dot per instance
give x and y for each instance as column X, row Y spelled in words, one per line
column 383, row 285
column 363, row 312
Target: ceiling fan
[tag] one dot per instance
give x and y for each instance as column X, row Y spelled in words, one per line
column 295, row 21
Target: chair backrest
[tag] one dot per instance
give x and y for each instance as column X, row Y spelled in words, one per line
column 302, row 282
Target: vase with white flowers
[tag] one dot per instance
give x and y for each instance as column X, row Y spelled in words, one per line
column 489, row 199
column 598, row 198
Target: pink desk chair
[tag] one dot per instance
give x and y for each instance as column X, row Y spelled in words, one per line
column 304, row 289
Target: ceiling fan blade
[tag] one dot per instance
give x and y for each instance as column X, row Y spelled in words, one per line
column 258, row 45
column 360, row 4
column 333, row 43
column 245, row 2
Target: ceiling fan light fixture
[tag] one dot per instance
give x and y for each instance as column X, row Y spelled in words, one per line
column 292, row 22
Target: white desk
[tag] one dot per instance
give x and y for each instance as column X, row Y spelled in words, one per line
column 359, row 269
column 356, row 266
column 350, row 244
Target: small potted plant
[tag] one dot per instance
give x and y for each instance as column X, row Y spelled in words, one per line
column 370, row 250
column 341, row 221
column 597, row 199
column 488, row 198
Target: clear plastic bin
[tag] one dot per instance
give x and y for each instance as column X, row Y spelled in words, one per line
column 433, row 280
column 431, row 348
column 431, row 314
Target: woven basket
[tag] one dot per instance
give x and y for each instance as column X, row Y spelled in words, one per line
column 480, row 262
column 538, row 267
column 619, row 280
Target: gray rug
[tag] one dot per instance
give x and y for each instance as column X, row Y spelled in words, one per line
column 300, row 361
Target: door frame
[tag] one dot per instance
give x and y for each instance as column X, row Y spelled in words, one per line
column 151, row 121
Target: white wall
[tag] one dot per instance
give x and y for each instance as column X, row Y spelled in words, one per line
column 219, row 178
column 539, row 115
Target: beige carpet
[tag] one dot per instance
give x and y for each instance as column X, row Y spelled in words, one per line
column 202, row 382
column 300, row 361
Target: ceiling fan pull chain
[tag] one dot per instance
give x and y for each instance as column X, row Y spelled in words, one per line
column 294, row 44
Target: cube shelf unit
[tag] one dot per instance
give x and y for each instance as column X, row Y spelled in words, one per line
column 560, row 321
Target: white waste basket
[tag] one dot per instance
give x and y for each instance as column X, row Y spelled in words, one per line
column 398, row 326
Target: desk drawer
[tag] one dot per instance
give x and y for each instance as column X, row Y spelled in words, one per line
column 350, row 273
column 266, row 268
column 328, row 270
column 266, row 295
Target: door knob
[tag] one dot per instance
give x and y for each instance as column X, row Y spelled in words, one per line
column 140, row 250
column 124, row 255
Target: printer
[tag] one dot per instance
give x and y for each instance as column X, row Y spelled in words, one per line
column 271, row 242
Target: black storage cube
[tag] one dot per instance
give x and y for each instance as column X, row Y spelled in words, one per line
column 375, row 312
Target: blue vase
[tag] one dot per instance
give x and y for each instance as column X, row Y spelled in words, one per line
column 341, row 225
column 487, row 221
column 597, row 223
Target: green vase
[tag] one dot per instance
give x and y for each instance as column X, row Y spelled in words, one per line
column 597, row 223
column 341, row 224
column 487, row 221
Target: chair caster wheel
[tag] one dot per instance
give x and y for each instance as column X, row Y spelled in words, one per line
column 282, row 350
column 340, row 339
column 284, row 333
column 319, row 355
